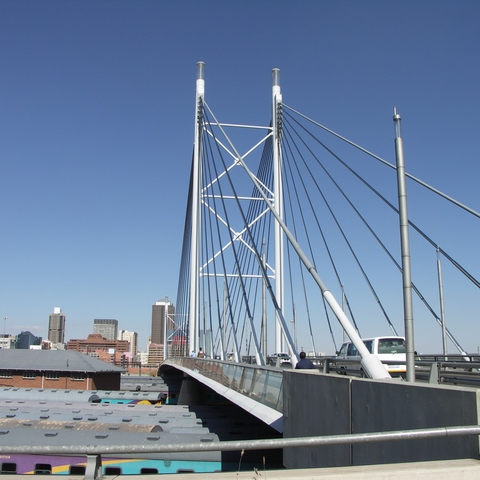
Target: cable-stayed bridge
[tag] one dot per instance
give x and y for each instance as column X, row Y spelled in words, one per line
column 292, row 242
column 289, row 236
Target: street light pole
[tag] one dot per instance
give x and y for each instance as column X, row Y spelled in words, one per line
column 4, row 330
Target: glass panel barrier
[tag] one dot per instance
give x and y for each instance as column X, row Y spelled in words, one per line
column 263, row 384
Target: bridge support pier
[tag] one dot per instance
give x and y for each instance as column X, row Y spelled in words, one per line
column 191, row 392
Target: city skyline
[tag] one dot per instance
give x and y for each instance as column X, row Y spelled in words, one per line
column 58, row 327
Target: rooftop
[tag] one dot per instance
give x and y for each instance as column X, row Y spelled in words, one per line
column 53, row 360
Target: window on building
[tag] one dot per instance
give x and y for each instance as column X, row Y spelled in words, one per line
column 77, row 376
column 29, row 374
column 52, row 375
column 6, row 374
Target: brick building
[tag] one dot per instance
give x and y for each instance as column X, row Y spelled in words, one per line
column 96, row 343
column 56, row 369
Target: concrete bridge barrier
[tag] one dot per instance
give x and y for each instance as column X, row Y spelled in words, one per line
column 319, row 404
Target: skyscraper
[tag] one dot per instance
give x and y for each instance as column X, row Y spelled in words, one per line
column 56, row 326
column 107, row 328
column 132, row 338
column 158, row 320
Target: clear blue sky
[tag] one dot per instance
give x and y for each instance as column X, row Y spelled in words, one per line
column 96, row 129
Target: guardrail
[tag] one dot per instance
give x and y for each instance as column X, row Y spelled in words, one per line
column 432, row 368
column 262, row 384
column 94, row 460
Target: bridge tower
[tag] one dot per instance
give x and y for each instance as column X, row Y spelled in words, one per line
column 194, row 306
column 194, row 309
column 278, row 202
column 203, row 197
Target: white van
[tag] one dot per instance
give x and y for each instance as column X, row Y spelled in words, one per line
column 390, row 350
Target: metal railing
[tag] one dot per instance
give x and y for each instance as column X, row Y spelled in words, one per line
column 94, row 461
column 432, row 368
column 263, row 384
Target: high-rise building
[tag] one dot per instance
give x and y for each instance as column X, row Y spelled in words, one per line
column 160, row 310
column 27, row 340
column 132, row 338
column 56, row 326
column 107, row 328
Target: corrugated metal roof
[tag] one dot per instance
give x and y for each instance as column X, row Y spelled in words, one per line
column 9, row 423
column 54, row 438
column 75, row 406
column 14, row 393
column 53, row 360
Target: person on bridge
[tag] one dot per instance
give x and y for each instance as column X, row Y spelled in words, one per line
column 200, row 353
column 304, row 363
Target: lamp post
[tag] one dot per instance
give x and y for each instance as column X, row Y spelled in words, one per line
column 294, row 321
column 4, row 329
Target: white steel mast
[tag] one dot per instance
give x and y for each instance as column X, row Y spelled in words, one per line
column 193, row 327
column 278, row 199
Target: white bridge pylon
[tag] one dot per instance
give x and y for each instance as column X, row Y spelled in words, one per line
column 203, row 200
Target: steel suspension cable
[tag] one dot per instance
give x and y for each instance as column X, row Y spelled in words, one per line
column 422, row 298
column 287, row 185
column 234, row 250
column 257, row 255
column 182, row 302
column 227, row 313
column 364, row 273
column 423, row 234
column 317, row 221
column 385, row 162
